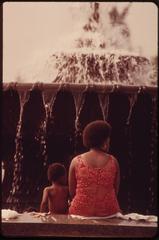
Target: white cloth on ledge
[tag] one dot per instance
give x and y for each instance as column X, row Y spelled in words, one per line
column 130, row 216
column 9, row 214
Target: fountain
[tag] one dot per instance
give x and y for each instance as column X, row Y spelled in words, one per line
column 94, row 78
column 100, row 53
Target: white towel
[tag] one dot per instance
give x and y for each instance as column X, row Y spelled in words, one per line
column 9, row 214
column 130, row 216
column 137, row 217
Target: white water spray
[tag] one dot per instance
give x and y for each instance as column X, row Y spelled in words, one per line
column 99, row 51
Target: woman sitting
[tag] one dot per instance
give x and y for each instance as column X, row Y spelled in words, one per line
column 94, row 176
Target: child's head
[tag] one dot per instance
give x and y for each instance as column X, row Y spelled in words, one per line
column 97, row 135
column 56, row 173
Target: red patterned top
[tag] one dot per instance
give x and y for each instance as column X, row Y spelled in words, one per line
column 95, row 193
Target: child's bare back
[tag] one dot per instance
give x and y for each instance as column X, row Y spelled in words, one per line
column 55, row 197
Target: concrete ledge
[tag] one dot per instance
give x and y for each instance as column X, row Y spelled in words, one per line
column 64, row 225
column 99, row 88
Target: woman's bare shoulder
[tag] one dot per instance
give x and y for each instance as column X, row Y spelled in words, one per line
column 112, row 156
column 75, row 160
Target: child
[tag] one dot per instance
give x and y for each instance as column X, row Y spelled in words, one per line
column 94, row 176
column 55, row 197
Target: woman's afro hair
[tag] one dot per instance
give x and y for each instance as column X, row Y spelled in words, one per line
column 96, row 133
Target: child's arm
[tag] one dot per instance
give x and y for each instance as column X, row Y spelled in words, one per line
column 44, row 202
column 72, row 179
column 117, row 177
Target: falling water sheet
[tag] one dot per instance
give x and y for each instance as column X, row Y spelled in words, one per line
column 104, row 104
column 23, row 97
column 79, row 100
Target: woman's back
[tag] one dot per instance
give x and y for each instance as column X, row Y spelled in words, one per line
column 95, row 191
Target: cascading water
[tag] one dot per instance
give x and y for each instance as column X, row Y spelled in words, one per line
column 20, row 188
column 132, row 100
column 79, row 99
column 15, row 193
column 104, row 104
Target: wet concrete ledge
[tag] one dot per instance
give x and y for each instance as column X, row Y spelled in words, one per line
column 80, row 87
column 66, row 226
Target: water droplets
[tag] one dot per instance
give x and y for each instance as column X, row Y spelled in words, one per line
column 82, row 65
